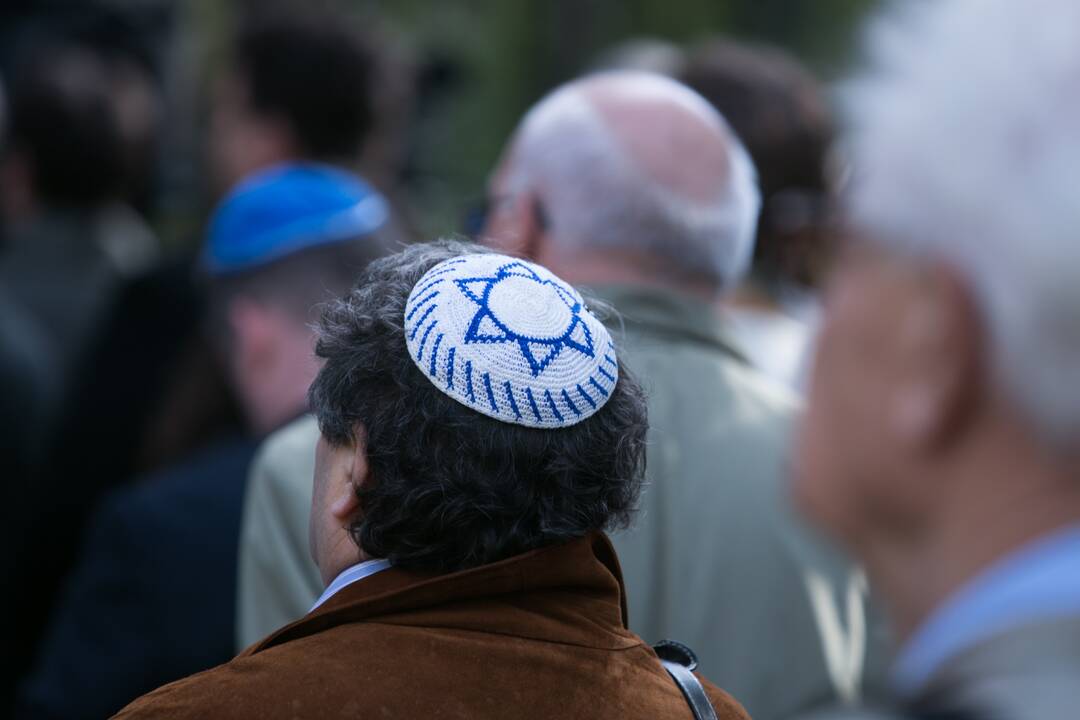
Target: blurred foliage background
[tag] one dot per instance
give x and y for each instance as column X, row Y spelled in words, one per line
column 476, row 64
column 489, row 60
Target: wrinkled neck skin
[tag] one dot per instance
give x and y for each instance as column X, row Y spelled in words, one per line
column 995, row 500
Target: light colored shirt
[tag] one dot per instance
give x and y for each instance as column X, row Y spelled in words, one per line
column 774, row 343
column 350, row 575
column 1041, row 581
column 277, row 580
column 717, row 557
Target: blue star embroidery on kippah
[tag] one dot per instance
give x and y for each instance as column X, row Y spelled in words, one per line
column 539, row 352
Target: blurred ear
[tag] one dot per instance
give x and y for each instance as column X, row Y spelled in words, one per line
column 515, row 225
column 938, row 373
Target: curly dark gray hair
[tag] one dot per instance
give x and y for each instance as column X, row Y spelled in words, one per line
column 450, row 488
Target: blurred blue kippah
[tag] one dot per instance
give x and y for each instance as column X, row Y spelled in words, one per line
column 286, row 209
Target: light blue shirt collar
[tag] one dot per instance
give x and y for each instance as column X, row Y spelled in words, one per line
column 350, row 575
column 1041, row 581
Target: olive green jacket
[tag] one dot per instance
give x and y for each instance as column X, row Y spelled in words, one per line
column 717, row 558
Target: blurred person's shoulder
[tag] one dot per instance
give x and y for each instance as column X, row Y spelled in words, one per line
column 279, row 480
column 278, row 581
column 292, row 445
column 675, row 339
column 212, row 476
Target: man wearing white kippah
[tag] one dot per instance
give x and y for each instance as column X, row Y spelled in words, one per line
column 633, row 185
column 479, row 432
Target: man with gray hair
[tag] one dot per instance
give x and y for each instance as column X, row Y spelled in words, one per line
column 597, row 170
column 943, row 433
column 633, row 185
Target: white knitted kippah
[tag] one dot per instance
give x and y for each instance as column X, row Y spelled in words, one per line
column 510, row 340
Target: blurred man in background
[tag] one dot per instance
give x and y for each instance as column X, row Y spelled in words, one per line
column 778, row 111
column 298, row 85
column 277, row 581
column 153, row 597
column 70, row 240
column 942, row 440
column 24, row 373
column 82, row 116
column 633, row 185
column 150, row 390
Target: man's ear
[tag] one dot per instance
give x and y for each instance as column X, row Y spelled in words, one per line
column 516, row 225
column 346, row 502
column 534, row 224
column 937, row 345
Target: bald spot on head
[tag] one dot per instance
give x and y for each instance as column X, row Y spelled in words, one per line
column 668, row 133
column 635, row 168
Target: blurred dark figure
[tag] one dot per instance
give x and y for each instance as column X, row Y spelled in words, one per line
column 777, row 108
column 25, row 370
column 70, row 241
column 153, row 598
column 24, row 374
column 299, row 85
column 152, row 388
column 633, row 185
column 81, row 119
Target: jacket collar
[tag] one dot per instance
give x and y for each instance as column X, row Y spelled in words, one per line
column 570, row 593
column 995, row 676
column 1036, row 583
column 670, row 314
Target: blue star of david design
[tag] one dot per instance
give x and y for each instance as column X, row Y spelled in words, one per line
column 538, row 352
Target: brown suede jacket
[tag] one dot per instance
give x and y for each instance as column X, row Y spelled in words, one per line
column 541, row 635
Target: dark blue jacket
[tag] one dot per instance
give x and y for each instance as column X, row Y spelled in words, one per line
column 153, row 598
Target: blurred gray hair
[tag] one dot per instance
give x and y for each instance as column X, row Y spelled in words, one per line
column 966, row 148
column 596, row 196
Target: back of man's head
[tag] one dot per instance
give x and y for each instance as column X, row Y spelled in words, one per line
column 312, row 71
column 476, row 448
column 778, row 110
column 284, row 241
column 635, row 165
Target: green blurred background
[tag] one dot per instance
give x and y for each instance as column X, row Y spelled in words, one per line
column 507, row 53
column 481, row 63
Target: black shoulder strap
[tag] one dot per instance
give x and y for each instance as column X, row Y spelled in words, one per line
column 680, row 661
